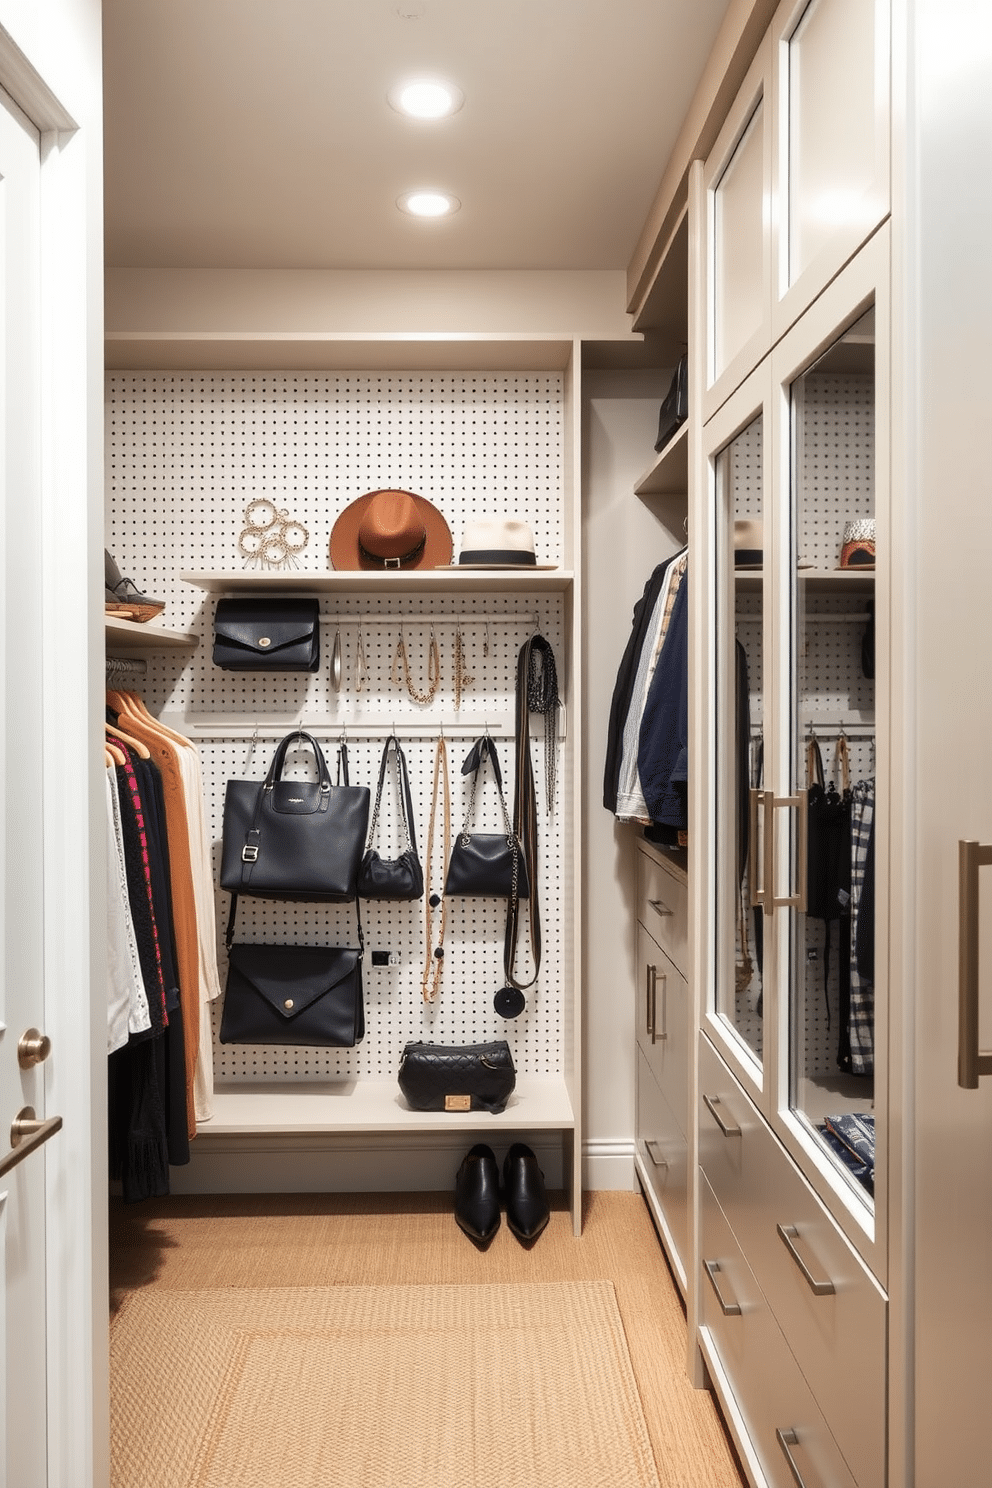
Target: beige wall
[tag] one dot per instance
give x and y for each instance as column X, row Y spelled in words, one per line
column 589, row 304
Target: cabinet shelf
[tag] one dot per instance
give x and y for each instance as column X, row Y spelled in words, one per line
column 817, row 580
column 129, row 635
column 364, row 581
column 539, row 1103
column 669, row 474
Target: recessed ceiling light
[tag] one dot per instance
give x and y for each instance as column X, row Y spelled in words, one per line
column 426, row 98
column 428, row 203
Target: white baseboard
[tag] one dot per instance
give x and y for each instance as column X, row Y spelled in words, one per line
column 414, row 1164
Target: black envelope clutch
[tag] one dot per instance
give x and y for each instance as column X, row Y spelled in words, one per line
column 267, row 635
column 285, row 994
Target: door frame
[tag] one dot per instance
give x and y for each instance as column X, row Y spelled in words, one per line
column 67, row 765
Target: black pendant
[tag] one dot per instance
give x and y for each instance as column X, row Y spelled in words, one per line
column 509, row 1002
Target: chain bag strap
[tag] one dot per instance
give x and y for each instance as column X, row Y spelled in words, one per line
column 434, row 958
column 401, row 877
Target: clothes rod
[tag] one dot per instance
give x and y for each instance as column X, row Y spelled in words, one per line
column 453, row 726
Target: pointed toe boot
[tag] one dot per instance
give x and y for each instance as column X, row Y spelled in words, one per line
column 477, row 1194
column 527, row 1210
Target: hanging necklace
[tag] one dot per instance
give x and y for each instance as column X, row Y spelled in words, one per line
column 461, row 676
column 434, row 957
column 542, row 697
column 433, row 669
column 361, row 664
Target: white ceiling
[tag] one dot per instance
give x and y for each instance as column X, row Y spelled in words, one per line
column 257, row 133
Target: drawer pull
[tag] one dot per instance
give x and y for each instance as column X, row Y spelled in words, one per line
column 819, row 1286
column 660, row 908
column 787, row 1440
column 729, row 1128
column 657, row 1037
column 729, row 1309
column 652, row 1149
column 650, row 974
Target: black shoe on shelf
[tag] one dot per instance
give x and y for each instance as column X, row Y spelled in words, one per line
column 477, row 1194
column 527, row 1210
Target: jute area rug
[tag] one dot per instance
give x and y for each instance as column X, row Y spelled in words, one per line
column 391, row 1386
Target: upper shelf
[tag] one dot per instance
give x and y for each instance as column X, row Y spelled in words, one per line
column 131, row 636
column 363, row 581
column 669, row 474
column 231, row 351
column 817, row 580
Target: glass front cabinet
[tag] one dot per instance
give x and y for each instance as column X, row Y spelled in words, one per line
column 793, row 671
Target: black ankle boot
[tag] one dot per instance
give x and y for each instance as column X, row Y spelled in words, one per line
column 477, row 1194
column 527, row 1209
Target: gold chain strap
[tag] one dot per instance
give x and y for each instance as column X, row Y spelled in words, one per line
column 433, row 670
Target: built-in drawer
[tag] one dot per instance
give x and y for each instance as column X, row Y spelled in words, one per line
column 663, row 908
column 663, row 1019
column 828, row 1305
column 663, row 1161
column 773, row 1402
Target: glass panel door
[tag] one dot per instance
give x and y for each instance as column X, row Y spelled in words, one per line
column 740, row 642
column 831, row 954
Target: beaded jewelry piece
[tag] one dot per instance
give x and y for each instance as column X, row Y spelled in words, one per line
column 434, row 953
column 461, row 676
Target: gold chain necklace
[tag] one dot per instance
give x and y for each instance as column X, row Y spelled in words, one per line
column 433, row 670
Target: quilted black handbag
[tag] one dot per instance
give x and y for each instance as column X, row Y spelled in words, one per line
column 392, row 878
column 466, row 1077
column 294, row 839
column 267, row 634
column 486, row 863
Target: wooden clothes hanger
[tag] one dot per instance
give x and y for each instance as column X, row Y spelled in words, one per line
column 134, row 707
column 141, row 750
column 113, row 755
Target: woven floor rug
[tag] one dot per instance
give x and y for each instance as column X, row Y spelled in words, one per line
column 397, row 1387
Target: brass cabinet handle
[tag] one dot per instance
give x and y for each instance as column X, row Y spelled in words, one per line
column 796, row 900
column 657, row 1037
column 652, row 1150
column 729, row 1128
column 27, row 1133
column 972, row 1063
column 660, row 908
column 820, row 1286
column 729, row 1309
column 787, row 1440
column 755, row 798
column 648, row 1008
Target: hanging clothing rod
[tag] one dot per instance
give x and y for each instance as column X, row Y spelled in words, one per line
column 126, row 666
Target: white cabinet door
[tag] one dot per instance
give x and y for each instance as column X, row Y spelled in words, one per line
column 23, row 1228
column 948, row 784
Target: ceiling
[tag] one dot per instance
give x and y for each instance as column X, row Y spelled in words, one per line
column 257, row 133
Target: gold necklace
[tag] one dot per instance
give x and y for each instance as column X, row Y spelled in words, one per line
column 433, row 670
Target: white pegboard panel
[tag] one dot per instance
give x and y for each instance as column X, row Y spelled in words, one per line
column 186, row 452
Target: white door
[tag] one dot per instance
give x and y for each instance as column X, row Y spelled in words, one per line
column 23, row 1228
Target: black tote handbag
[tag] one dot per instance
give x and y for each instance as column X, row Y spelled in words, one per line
column 486, row 863
column 277, row 634
column 392, row 878
column 295, row 839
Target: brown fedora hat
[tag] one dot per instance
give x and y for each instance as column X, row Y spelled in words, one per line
column 390, row 530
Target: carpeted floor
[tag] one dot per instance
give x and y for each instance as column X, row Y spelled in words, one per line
column 246, row 1244
column 411, row 1387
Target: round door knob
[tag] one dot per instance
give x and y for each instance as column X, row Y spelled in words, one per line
column 33, row 1048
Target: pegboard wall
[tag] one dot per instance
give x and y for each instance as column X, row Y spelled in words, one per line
column 834, row 474
column 185, row 455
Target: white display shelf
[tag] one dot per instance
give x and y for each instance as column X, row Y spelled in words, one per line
column 669, row 475
column 133, row 636
column 539, row 1103
column 816, row 580
column 365, row 581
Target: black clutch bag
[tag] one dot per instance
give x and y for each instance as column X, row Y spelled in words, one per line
column 467, row 1077
column 486, row 863
column 675, row 408
column 284, row 994
column 267, row 635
